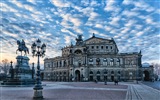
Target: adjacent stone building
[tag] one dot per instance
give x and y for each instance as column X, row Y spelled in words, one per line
column 95, row 59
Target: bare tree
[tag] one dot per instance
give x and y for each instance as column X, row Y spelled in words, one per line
column 5, row 66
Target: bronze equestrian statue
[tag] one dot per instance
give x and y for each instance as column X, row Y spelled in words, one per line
column 22, row 47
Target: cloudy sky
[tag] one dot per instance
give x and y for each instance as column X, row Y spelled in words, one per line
column 134, row 24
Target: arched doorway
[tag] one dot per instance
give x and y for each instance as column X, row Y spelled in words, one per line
column 91, row 76
column 146, row 75
column 77, row 73
column 112, row 78
column 112, row 75
column 98, row 76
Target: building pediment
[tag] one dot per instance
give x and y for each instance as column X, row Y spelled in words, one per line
column 97, row 40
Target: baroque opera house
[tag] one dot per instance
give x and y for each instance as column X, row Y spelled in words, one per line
column 95, row 59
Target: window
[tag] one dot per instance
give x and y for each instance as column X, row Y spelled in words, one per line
column 64, row 63
column 78, row 51
column 112, row 72
column 79, row 63
column 91, row 72
column 98, row 72
column 105, row 61
column 98, row 61
column 106, row 47
column 92, row 47
column 70, row 51
column 101, row 47
column 111, row 47
column 118, row 62
column 105, row 72
column 49, row 65
column 111, row 62
column 97, row 47
column 60, row 63
column 52, row 64
column 90, row 60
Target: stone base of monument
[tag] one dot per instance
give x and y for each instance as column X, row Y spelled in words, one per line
column 22, row 74
column 38, row 94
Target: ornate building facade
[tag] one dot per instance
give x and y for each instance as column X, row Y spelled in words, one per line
column 95, row 59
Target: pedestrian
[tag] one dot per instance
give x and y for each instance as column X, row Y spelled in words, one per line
column 95, row 80
column 116, row 82
column 105, row 82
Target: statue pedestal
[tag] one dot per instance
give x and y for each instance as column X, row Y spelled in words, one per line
column 22, row 68
column 22, row 74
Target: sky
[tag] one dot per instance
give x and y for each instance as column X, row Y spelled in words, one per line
column 134, row 25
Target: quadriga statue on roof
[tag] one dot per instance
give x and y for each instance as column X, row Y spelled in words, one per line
column 22, row 47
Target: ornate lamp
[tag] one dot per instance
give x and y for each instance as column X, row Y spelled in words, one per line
column 40, row 52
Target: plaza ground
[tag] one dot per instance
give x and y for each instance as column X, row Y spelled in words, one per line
column 83, row 91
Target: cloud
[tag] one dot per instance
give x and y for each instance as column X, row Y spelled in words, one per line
column 130, row 13
column 32, row 1
column 67, row 31
column 93, row 16
column 68, row 39
column 60, row 3
column 114, row 21
column 131, row 23
column 99, row 26
column 127, row 2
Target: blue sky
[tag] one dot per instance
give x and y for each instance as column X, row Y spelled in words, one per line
column 134, row 24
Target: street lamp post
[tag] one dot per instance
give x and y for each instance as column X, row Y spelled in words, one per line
column 40, row 52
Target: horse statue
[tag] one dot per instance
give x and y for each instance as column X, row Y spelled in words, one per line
column 22, row 47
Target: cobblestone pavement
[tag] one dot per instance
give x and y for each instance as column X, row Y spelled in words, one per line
column 84, row 91
column 68, row 91
column 142, row 92
column 155, row 84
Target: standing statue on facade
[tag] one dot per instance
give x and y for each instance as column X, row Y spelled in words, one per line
column 22, row 47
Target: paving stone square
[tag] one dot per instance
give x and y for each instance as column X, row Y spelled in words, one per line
column 68, row 91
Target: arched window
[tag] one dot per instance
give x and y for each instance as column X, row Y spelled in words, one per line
column 91, row 73
column 118, row 61
column 98, row 72
column 105, row 72
column 101, row 47
column 64, row 63
column 78, row 51
column 60, row 63
column 79, row 63
column 111, row 62
column 97, row 47
column 105, row 61
column 57, row 63
column 112, row 72
column 90, row 60
column 70, row 51
column 98, row 61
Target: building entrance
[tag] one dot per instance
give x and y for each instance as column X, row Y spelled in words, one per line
column 146, row 75
column 91, row 78
column 77, row 73
column 112, row 78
